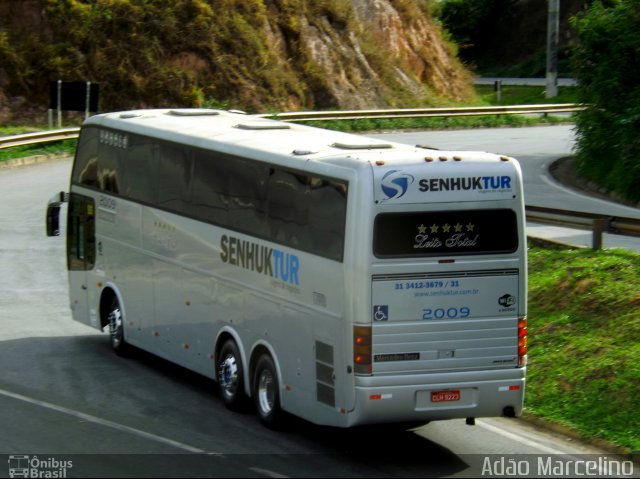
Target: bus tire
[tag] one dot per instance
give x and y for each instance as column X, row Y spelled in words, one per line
column 266, row 393
column 230, row 376
column 115, row 320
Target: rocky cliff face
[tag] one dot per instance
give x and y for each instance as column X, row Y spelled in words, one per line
column 252, row 54
column 381, row 58
column 414, row 45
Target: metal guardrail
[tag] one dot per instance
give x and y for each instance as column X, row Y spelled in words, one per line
column 70, row 133
column 511, row 81
column 427, row 112
column 47, row 136
column 596, row 223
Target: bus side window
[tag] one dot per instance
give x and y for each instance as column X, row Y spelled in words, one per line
column 172, row 175
column 288, row 208
column 85, row 169
column 139, row 170
column 329, row 204
column 210, row 189
column 109, row 167
column 247, row 196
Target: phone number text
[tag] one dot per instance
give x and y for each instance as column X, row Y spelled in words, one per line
column 437, row 284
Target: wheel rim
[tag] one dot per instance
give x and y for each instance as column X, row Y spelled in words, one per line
column 228, row 374
column 115, row 326
column 266, row 392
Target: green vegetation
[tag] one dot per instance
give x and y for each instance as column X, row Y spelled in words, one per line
column 471, row 23
column 525, row 95
column 163, row 53
column 507, row 37
column 584, row 341
column 17, row 130
column 600, row 41
column 606, row 63
column 252, row 54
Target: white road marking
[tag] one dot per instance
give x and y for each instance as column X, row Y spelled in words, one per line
column 520, row 439
column 268, row 473
column 104, row 422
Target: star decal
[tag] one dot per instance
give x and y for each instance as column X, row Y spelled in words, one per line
column 446, row 228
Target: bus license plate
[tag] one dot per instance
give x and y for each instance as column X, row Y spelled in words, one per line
column 445, row 396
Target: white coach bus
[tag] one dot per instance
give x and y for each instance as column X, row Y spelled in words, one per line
column 342, row 279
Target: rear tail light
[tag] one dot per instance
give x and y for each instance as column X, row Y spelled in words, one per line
column 362, row 346
column 522, row 341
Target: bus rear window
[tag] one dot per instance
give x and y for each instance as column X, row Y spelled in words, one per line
column 445, row 233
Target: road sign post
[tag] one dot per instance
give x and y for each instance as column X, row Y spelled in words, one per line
column 72, row 96
column 553, row 30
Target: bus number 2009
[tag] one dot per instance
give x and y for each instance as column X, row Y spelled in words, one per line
column 449, row 313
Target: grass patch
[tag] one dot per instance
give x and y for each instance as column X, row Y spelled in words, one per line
column 485, row 96
column 440, row 123
column 17, row 130
column 524, row 95
column 66, row 147
column 584, row 341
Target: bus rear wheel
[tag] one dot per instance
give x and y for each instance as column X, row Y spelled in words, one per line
column 230, row 376
column 266, row 393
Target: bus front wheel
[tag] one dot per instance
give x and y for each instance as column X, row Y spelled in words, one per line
column 116, row 328
column 231, row 377
column 266, row 393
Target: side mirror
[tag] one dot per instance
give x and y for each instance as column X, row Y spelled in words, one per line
column 53, row 213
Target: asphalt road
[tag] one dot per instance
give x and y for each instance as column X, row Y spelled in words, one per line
column 64, row 394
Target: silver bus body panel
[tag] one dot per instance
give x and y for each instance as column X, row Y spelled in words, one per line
column 408, row 398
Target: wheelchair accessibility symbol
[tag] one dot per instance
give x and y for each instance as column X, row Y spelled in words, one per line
column 381, row 313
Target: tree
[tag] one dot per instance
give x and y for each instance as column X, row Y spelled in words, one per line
column 607, row 62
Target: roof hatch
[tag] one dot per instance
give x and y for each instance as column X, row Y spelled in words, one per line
column 361, row 146
column 262, row 125
column 194, row 112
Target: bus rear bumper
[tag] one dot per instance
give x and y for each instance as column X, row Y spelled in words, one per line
column 464, row 396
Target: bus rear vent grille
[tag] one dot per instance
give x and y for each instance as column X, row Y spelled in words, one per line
column 325, row 377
